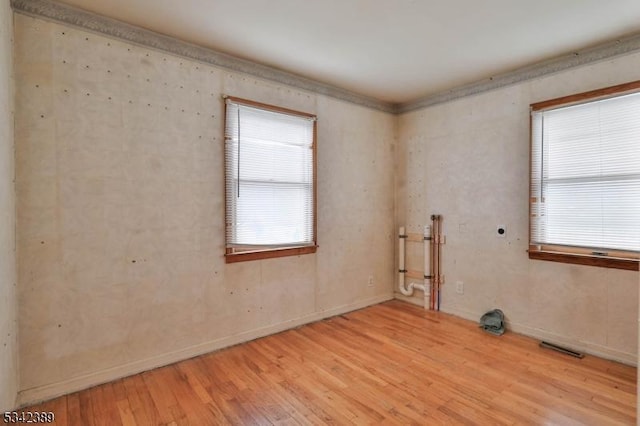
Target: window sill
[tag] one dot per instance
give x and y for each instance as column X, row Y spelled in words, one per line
column 582, row 259
column 246, row 256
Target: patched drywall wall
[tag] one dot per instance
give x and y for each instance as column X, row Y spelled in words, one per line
column 469, row 161
column 8, row 293
column 120, row 211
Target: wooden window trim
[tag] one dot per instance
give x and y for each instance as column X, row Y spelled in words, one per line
column 589, row 96
column 244, row 256
column 615, row 259
column 627, row 263
column 268, row 107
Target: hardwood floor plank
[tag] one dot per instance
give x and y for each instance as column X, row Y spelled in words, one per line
column 303, row 413
column 158, row 391
column 74, row 410
column 392, row 363
column 140, row 401
column 60, row 409
column 87, row 413
column 126, row 414
column 105, row 403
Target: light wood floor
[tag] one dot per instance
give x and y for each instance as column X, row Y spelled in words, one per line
column 392, row 363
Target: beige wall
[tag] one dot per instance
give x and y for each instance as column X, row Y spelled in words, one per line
column 120, row 211
column 469, row 161
column 8, row 296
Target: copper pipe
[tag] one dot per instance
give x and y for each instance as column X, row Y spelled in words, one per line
column 434, row 284
column 437, row 265
column 432, row 261
column 439, row 256
column 436, row 262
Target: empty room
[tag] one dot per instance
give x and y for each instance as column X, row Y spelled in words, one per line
column 341, row 212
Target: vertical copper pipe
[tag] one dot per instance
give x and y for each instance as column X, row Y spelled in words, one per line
column 439, row 256
column 437, row 262
column 431, row 247
column 432, row 267
column 432, row 263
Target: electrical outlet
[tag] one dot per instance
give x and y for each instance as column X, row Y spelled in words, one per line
column 459, row 287
column 370, row 281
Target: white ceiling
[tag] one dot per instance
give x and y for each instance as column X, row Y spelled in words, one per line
column 392, row 50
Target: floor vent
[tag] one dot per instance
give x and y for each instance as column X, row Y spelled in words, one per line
column 560, row 349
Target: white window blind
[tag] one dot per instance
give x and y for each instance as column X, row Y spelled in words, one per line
column 586, row 175
column 269, row 178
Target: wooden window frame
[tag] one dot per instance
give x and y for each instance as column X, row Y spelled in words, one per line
column 232, row 256
column 617, row 259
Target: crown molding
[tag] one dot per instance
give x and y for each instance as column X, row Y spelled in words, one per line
column 72, row 16
column 65, row 14
column 621, row 46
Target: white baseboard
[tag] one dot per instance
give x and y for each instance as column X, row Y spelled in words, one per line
column 49, row 391
column 574, row 344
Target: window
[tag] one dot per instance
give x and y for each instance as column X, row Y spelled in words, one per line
column 270, row 181
column 585, row 178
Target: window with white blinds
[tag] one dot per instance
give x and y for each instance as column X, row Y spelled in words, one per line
column 585, row 177
column 269, row 168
